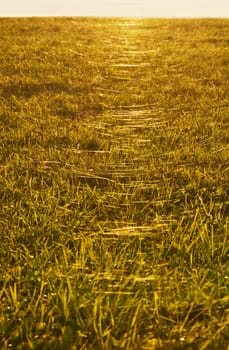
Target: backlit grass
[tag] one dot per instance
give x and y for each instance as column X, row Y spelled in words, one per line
column 114, row 184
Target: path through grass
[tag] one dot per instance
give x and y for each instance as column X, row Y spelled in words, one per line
column 114, row 184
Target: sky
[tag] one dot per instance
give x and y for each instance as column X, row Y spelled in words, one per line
column 120, row 8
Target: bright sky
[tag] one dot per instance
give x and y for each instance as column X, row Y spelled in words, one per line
column 124, row 8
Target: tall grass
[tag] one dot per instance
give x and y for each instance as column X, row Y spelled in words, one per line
column 114, row 184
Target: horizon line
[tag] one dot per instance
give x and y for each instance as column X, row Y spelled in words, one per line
column 112, row 16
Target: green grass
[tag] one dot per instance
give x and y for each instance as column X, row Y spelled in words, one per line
column 114, row 184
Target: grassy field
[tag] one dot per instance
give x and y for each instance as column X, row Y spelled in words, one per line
column 114, row 172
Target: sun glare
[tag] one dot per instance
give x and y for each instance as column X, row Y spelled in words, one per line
column 117, row 8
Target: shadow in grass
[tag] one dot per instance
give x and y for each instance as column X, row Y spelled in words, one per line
column 22, row 89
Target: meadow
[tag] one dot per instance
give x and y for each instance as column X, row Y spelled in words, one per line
column 114, row 172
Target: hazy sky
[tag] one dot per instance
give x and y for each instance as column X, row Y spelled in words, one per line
column 142, row 8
